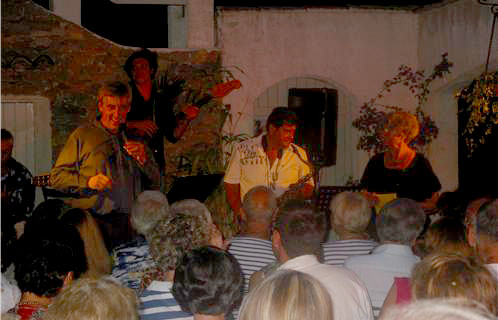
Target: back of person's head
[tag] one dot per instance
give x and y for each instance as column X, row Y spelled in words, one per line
column 46, row 256
column 401, row 221
column 173, row 236
column 438, row 309
column 148, row 208
column 192, row 207
column 6, row 135
column 97, row 256
column 452, row 203
column 94, row 299
column 208, row 281
column 350, row 212
column 280, row 116
column 146, row 54
column 301, row 228
column 46, row 211
column 259, row 204
column 446, row 234
column 487, row 220
column 287, row 295
column 446, row 275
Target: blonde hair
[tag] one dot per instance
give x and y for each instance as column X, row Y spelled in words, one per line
column 97, row 256
column 350, row 211
column 94, row 299
column 438, row 309
column 452, row 275
column 287, row 295
column 403, row 123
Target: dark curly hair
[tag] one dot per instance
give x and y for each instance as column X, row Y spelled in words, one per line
column 145, row 54
column 208, row 281
column 46, row 255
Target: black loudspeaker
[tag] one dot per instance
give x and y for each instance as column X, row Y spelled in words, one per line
column 316, row 109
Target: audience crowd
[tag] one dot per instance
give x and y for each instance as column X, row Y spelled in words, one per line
column 289, row 261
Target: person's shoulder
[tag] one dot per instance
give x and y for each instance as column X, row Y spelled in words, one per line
column 19, row 167
column 301, row 150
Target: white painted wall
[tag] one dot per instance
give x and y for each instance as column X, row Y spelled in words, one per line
column 353, row 51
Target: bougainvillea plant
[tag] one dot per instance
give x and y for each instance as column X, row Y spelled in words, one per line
column 482, row 105
column 373, row 114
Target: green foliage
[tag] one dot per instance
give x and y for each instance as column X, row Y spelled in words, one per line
column 482, row 99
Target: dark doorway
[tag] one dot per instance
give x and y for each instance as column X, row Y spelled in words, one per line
column 477, row 173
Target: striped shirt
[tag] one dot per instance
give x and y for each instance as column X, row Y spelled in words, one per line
column 157, row 303
column 335, row 252
column 130, row 260
column 252, row 254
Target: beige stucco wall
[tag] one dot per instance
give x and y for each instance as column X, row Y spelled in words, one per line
column 462, row 29
column 353, row 51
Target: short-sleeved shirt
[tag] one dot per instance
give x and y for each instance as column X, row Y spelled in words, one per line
column 250, row 167
column 417, row 182
column 157, row 303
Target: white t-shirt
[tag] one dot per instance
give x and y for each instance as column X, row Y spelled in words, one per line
column 250, row 167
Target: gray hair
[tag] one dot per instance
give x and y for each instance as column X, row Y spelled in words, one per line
column 259, row 203
column 192, row 207
column 149, row 207
column 400, row 220
column 350, row 211
column 438, row 309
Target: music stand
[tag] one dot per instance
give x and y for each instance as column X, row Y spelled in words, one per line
column 194, row 187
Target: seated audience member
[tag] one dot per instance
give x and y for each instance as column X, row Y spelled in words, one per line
column 252, row 247
column 297, row 236
column 350, row 214
column 171, row 238
column 10, row 295
column 192, row 207
column 438, row 309
column 97, row 256
column 94, row 299
column 445, row 234
column 133, row 258
column 398, row 226
column 287, row 295
column 482, row 232
column 448, row 275
column 208, row 282
column 49, row 258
